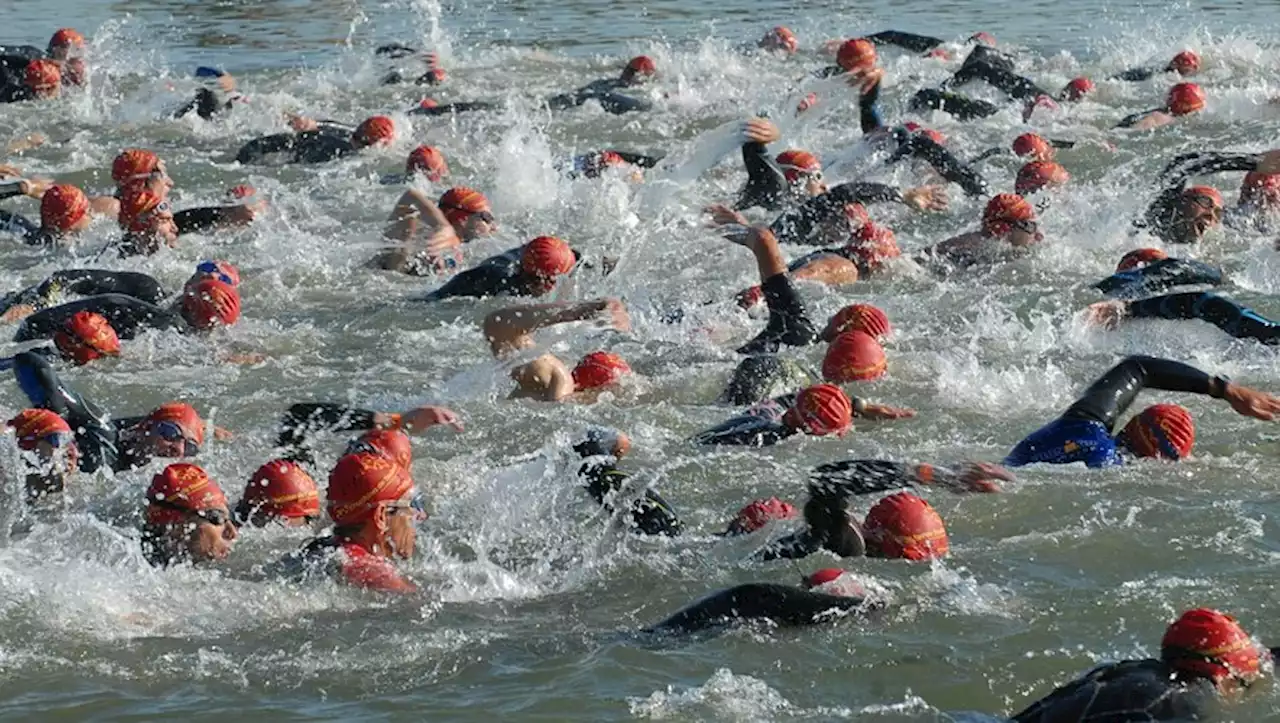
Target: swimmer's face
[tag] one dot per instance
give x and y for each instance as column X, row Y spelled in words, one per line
column 1197, row 214
column 212, row 535
column 401, row 530
column 814, row 185
column 478, row 225
column 1024, row 233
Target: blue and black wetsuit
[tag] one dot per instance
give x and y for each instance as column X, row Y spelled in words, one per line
column 1159, row 276
column 1164, row 217
column 1084, row 432
column 127, row 316
column 1236, row 320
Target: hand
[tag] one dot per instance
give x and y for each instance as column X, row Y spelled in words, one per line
column 442, row 240
column 1105, row 314
column 300, row 124
column 34, row 187
column 722, row 215
column 806, row 103
column 926, row 198
column 866, row 80
column 244, row 214
column 17, row 312
column 761, row 130
column 222, row 434
column 1270, row 162
column 1040, row 101
column 9, row 171
column 1251, row 402
column 884, row 411
column 615, row 312
column 416, row 420
column 982, row 477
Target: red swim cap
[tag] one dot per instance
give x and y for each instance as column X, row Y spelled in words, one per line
column 74, row 71
column 186, row 487
column 281, row 488
column 427, row 160
column 598, row 369
column 460, row 202
column 1208, row 193
column 428, row 103
column 983, row 38
column 1036, row 175
column 133, row 164
column 359, row 482
column 209, row 303
column 66, row 38
column 43, row 76
column 86, row 336
column 545, row 258
column 1185, row 98
column 182, row 414
column 640, row 65
column 217, row 269
column 1078, row 88
column 138, row 211
column 435, row 76
column 62, row 207
column 931, row 134
column 748, row 298
column 1205, row 643
column 824, row 409
column 865, row 318
column 243, row 190
column 854, row 356
column 857, row 215
column 1165, row 431
column 1261, row 189
column 1138, row 258
column 822, row 577
column 874, row 244
column 856, row 55
column 797, row 163
column 391, row 443
column 376, row 131
column 1003, row 211
column 1034, row 146
column 1185, row 63
column 904, row 526
column 780, row 38
column 32, row 425
column 759, row 513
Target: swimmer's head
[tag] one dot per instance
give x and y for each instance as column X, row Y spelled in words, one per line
column 1011, row 217
column 147, row 214
column 376, row 131
column 834, row 581
column 209, row 304
column 639, row 69
column 223, row 271
column 1077, row 89
column 983, row 38
column 854, row 356
column 137, row 169
column 49, row 450
column 780, row 39
column 544, row 260
column 390, row 443
column 802, row 169
column 759, row 513
column 858, row 317
column 467, row 210
column 1164, row 431
column 1032, row 146
column 64, row 209
column 917, row 129
column 43, row 78
column 1200, row 208
column 187, row 517
column 1261, row 190
column 280, row 491
column 1185, row 63
column 172, row 430
column 873, row 245
column 1185, row 98
column 603, row 442
column 904, row 526
column 1207, row 644
column 429, row 161
column 820, row 410
column 599, row 369
column 65, row 43
column 86, row 336
column 1037, row 175
column 857, row 55
column 1138, row 258
column 372, row 497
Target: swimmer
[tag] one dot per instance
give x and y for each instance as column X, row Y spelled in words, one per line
column 1184, row 99
column 605, row 91
column 382, row 431
column 601, row 450
column 533, row 269
column 187, row 518
column 282, row 492
column 429, row 235
column 319, row 142
column 1185, row 64
column 1184, row 214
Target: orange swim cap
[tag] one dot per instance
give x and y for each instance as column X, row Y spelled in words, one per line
column 1165, row 431
column 62, row 207
column 904, row 526
column 86, row 336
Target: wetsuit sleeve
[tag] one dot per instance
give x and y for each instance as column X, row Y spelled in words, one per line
column 789, row 322
column 322, row 146
column 962, row 107
column 653, row 515
column 303, row 421
column 1108, row 397
column 796, row 546
column 451, row 108
column 617, row 104
column 1159, row 276
column 798, row 225
column 11, row 189
column 1012, row 84
column 1134, row 75
column 127, row 316
column 766, row 183
column 1236, row 320
column 869, row 110
column 906, row 41
column 90, row 282
column 564, row 101
column 256, row 150
column 639, row 159
column 194, row 220
column 943, row 161
column 1160, row 214
column 869, row 476
column 745, row 431
column 95, row 435
column 780, row 604
column 494, row 276
column 395, row 51
column 21, row 226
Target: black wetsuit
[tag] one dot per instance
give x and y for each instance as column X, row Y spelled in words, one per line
column 828, row 525
column 14, row 60
column 16, row 93
column 778, row 604
column 1236, row 320
column 24, row 228
column 1163, row 218
column 499, row 275
column 759, row 426
column 208, row 103
column 86, row 282
column 331, row 141
column 800, row 225
column 759, row 378
column 97, row 435
column 991, row 65
column 650, row 514
column 605, row 92
column 1159, row 276
column 962, row 107
column 452, row 108
column 789, row 322
column 1134, row 75
column 127, row 316
column 1083, row 432
column 922, row 147
column 590, row 165
column 907, row 41
column 1131, row 691
column 303, row 421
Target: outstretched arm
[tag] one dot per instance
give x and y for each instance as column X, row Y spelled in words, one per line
column 512, row 328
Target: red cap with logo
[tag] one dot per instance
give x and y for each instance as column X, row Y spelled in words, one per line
column 1186, row 98
column 904, row 526
column 796, row 164
column 1161, row 430
column 180, row 489
column 824, row 409
column 62, row 207
column 359, row 482
column 1205, row 643
column 209, row 303
column 86, row 336
column 857, row 54
column 759, row 513
column 32, row 425
column 376, row 131
column 598, row 369
column 427, row 160
column 281, row 488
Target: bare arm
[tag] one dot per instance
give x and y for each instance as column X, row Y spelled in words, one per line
column 511, row 328
column 546, row 379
